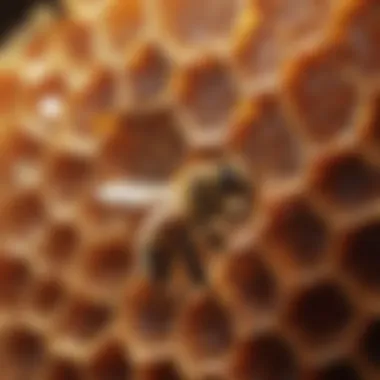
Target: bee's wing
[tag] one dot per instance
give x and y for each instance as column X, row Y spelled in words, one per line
column 133, row 194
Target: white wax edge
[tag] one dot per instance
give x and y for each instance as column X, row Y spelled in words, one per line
column 132, row 194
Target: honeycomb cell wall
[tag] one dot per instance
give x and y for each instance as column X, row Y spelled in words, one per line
column 251, row 247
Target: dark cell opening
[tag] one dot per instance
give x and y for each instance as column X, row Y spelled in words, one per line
column 321, row 312
column 267, row 357
column 361, row 255
column 371, row 344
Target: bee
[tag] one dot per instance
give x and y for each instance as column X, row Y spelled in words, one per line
column 203, row 206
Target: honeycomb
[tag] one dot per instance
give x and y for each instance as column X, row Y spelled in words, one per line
column 259, row 259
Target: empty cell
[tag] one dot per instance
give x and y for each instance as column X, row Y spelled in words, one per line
column 40, row 43
column 198, row 22
column 84, row 319
column 61, row 242
column 149, row 312
column 321, row 94
column 48, row 96
column 69, row 174
column 110, row 362
column 23, row 350
column 338, row 370
column 64, row 369
column 160, row 370
column 207, row 91
column 98, row 94
column 205, row 328
column 298, row 231
column 149, row 73
column 108, row 262
column 267, row 356
column 319, row 313
column 250, row 280
column 15, row 279
column 123, row 21
column 25, row 212
column 361, row 35
column 361, row 254
column 370, row 344
column 346, row 180
column 74, row 38
column 24, row 149
column 47, row 295
column 145, row 146
column 296, row 19
column 10, row 89
column 259, row 51
column 21, row 155
column 263, row 137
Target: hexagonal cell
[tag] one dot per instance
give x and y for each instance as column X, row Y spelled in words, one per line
column 10, row 86
column 321, row 93
column 298, row 231
column 370, row 346
column 47, row 295
column 263, row 138
column 69, row 174
column 320, row 312
column 110, row 362
column 149, row 73
column 15, row 278
column 84, row 319
column 250, row 281
column 361, row 254
column 21, row 153
column 64, row 369
column 22, row 149
column 360, row 23
column 160, row 370
column 75, row 40
column 205, row 328
column 296, row 19
column 267, row 356
column 123, row 21
column 108, row 262
column 338, row 369
column 24, row 213
column 207, row 91
column 346, row 180
column 149, row 312
column 48, row 96
column 155, row 133
column 61, row 242
column 98, row 94
column 258, row 51
column 40, row 43
column 196, row 22
column 23, row 351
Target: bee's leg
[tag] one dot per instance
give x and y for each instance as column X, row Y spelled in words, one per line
column 189, row 253
column 157, row 263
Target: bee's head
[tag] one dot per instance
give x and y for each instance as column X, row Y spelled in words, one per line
column 218, row 196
